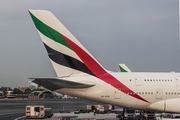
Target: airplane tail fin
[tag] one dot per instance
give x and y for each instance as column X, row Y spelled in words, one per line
column 67, row 54
column 124, row 68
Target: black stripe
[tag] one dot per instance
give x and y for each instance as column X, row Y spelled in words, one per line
column 67, row 61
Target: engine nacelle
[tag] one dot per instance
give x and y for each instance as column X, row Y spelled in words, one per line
column 170, row 105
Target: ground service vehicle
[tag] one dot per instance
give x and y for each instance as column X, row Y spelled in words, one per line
column 101, row 110
column 120, row 116
column 76, row 111
column 149, row 115
column 89, row 108
column 166, row 116
column 36, row 111
column 129, row 114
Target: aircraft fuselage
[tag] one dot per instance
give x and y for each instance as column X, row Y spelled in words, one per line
column 159, row 91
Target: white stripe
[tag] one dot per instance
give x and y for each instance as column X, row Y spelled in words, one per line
column 19, row 117
column 58, row 47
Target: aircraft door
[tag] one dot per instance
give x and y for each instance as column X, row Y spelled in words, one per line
column 117, row 94
column 177, row 78
column 138, row 81
column 159, row 93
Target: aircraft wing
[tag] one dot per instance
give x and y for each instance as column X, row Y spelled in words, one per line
column 56, row 83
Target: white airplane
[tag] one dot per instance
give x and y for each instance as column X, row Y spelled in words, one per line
column 80, row 74
column 124, row 68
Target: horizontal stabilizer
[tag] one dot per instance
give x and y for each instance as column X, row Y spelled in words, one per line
column 55, row 83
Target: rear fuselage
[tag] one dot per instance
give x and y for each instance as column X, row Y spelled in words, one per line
column 160, row 90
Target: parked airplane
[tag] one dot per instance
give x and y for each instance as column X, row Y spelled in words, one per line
column 124, row 68
column 80, row 74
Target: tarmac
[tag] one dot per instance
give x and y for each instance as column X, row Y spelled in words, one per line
column 82, row 116
column 89, row 116
column 15, row 109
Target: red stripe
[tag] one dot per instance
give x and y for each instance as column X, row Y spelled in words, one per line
column 99, row 71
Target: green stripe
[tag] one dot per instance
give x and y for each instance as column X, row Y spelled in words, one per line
column 49, row 32
column 122, row 70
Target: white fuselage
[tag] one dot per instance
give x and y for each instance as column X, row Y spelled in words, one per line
column 160, row 90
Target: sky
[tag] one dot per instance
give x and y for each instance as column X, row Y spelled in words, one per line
column 143, row 34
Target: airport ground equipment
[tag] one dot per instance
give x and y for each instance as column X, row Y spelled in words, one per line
column 48, row 112
column 166, row 116
column 117, row 111
column 100, row 108
column 129, row 114
column 120, row 116
column 35, row 111
column 148, row 115
column 110, row 107
column 89, row 108
column 77, row 111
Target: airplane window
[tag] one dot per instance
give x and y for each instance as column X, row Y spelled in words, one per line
column 168, row 80
column 162, row 80
column 145, row 80
column 142, row 92
column 159, row 80
column 130, row 79
column 174, row 93
column 178, row 93
column 156, row 80
column 166, row 93
column 139, row 92
column 169, row 93
column 145, row 92
column 151, row 93
column 148, row 92
column 150, row 80
column 165, row 80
